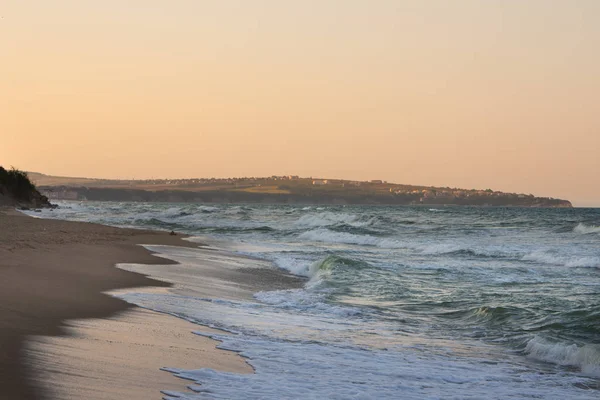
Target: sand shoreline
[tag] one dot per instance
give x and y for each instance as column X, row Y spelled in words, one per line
column 124, row 356
column 53, row 274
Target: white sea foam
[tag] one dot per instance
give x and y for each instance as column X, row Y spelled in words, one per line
column 301, row 266
column 586, row 229
column 172, row 212
column 293, row 264
column 330, row 218
column 586, row 358
column 583, row 262
column 439, row 248
column 545, row 257
column 288, row 370
column 328, row 236
column 208, row 208
column 304, row 301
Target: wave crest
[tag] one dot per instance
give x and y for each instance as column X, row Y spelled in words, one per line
column 544, row 257
column 329, row 236
column 584, row 229
column 330, row 264
column 329, row 218
column 586, row 358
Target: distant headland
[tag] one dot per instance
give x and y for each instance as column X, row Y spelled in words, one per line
column 279, row 190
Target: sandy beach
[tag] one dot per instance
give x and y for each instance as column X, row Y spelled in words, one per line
column 62, row 337
column 122, row 357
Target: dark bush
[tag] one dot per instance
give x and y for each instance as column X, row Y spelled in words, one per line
column 16, row 184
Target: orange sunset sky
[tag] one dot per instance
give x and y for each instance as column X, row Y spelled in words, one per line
column 473, row 94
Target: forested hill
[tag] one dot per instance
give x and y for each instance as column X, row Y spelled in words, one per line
column 280, row 189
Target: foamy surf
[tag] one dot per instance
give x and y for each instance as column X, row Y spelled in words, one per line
column 547, row 257
column 288, row 370
column 584, row 229
column 586, row 358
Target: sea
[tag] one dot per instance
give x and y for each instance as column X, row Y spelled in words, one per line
column 410, row 302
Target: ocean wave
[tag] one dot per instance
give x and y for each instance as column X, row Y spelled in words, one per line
column 586, row 358
column 180, row 214
column 492, row 315
column 237, row 210
column 304, row 301
column 208, row 209
column 295, row 265
column 156, row 223
column 460, row 249
column 499, row 314
column 174, row 212
column 329, row 236
column 406, row 222
column 583, row 262
column 353, row 229
column 333, row 262
column 440, row 248
column 331, row 218
column 545, row 257
column 237, row 229
column 584, row 229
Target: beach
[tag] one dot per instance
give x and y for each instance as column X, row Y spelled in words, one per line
column 285, row 301
column 63, row 337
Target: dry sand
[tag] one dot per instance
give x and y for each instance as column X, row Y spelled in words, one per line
column 52, row 271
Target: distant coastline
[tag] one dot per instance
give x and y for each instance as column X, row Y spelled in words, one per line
column 281, row 190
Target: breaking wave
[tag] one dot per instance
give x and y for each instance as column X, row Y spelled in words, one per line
column 584, row 229
column 586, row 358
column 332, row 263
column 236, row 229
column 329, row 236
column 331, row 218
column 545, row 257
column 464, row 250
column 157, row 223
column 304, row 301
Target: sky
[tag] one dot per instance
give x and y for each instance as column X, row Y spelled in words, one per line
column 471, row 94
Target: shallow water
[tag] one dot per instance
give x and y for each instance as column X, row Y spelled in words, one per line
column 401, row 302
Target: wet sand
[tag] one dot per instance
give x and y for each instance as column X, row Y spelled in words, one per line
column 122, row 357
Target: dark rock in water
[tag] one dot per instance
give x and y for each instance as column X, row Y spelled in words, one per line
column 23, row 208
column 38, row 210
